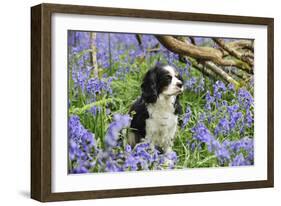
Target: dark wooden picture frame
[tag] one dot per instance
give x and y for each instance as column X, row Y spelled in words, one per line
column 41, row 96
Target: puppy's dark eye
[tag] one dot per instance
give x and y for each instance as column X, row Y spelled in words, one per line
column 169, row 77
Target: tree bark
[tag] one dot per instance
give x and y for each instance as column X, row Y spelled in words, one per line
column 232, row 51
column 203, row 53
column 203, row 69
column 220, row 72
column 213, row 71
column 242, row 44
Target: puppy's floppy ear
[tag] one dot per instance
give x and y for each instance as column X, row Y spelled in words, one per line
column 149, row 87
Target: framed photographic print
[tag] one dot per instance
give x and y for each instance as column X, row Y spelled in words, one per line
column 132, row 102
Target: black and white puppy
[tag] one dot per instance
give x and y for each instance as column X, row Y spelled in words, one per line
column 155, row 112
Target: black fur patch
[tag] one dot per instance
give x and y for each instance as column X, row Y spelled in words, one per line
column 140, row 114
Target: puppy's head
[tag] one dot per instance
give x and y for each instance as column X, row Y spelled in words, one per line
column 161, row 80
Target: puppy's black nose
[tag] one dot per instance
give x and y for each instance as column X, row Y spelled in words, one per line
column 179, row 84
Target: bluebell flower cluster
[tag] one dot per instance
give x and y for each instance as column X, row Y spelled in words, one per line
column 82, row 146
column 96, row 86
column 114, row 129
column 219, row 90
column 95, row 110
column 234, row 115
column 80, row 79
column 246, row 101
column 222, row 127
column 186, row 117
column 86, row 156
column 194, row 84
column 209, row 100
column 78, row 41
column 144, row 156
column 224, row 119
column 229, row 116
column 228, row 152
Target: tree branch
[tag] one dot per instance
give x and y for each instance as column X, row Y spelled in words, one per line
column 233, row 51
column 220, row 72
column 203, row 69
column 213, row 71
column 238, row 73
column 242, row 44
column 94, row 54
column 204, row 53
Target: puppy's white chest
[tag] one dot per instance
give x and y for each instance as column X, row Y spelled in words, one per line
column 161, row 124
column 163, row 119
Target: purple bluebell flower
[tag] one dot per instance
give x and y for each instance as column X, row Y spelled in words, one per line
column 190, row 83
column 224, row 103
column 131, row 162
column 80, row 78
column 245, row 143
column 245, row 98
column 73, row 149
column 249, row 118
column 186, row 117
column 122, row 72
column 79, row 41
column 246, row 146
column 172, row 156
column 192, row 146
column 112, row 166
column 225, row 150
column 219, row 89
column 194, row 84
column 222, row 127
column 201, row 133
column 202, row 117
column 234, row 115
column 95, row 110
column 76, row 130
column 231, row 87
column 80, row 170
column 128, row 148
column 200, row 85
column 252, row 82
column 238, row 160
column 82, row 146
column 234, row 118
column 214, row 145
column 97, row 86
column 102, row 45
column 209, row 100
column 222, row 154
column 119, row 122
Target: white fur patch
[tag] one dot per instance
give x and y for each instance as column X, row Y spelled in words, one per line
column 170, row 69
column 162, row 122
